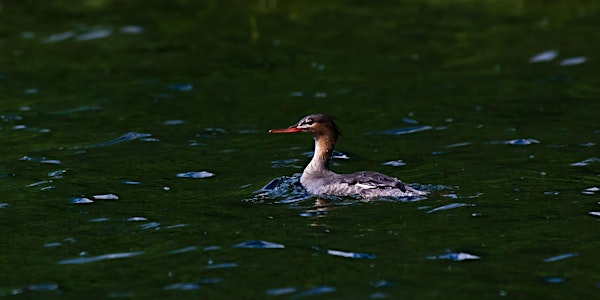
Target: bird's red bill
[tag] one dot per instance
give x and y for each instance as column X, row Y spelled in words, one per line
column 286, row 130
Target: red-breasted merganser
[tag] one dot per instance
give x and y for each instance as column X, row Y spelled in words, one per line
column 319, row 180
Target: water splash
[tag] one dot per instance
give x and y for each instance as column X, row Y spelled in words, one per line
column 284, row 189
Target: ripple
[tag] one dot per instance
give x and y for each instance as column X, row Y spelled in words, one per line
column 130, row 136
column 285, row 163
column 591, row 191
column 222, row 265
column 350, row 254
column 182, row 286
column 106, row 197
column 57, row 174
column 196, row 174
column 284, row 189
column 151, row 225
column 98, row 220
column 77, row 109
column 545, row 56
column 43, row 287
column 458, row 145
column 181, row 87
column 81, row 200
column 335, row 154
column 316, row 291
column 585, row 162
column 94, row 34
column 258, row 244
column 449, row 206
column 59, row 37
column 573, row 61
column 42, row 160
column 394, row 163
column 382, row 283
column 281, row 291
column 85, row 260
column 404, row 130
column 410, row 121
column 131, row 182
column 173, row 122
column 560, row 257
column 461, row 256
column 521, row 142
column 184, row 250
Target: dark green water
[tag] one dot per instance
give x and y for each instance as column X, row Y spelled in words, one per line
column 105, row 97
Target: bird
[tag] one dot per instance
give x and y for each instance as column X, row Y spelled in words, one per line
column 317, row 179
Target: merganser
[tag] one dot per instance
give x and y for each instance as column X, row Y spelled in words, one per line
column 319, row 180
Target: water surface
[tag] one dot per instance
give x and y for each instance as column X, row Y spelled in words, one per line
column 157, row 114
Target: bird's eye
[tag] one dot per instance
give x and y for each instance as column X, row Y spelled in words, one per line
column 309, row 122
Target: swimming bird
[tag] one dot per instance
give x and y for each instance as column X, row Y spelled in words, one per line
column 319, row 180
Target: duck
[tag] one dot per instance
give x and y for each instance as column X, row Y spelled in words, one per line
column 319, row 180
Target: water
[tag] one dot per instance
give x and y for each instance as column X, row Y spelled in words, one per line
column 159, row 118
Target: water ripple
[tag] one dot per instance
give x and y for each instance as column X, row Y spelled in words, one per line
column 89, row 259
column 316, row 291
column 196, row 174
column 404, row 130
column 182, row 286
column 455, row 256
column 284, row 189
column 222, row 265
column 43, row 287
column 561, row 257
column 130, row 136
column 350, row 254
column 449, row 206
column 281, row 291
column 585, row 162
column 394, row 163
column 545, row 56
column 258, row 244
column 184, row 250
